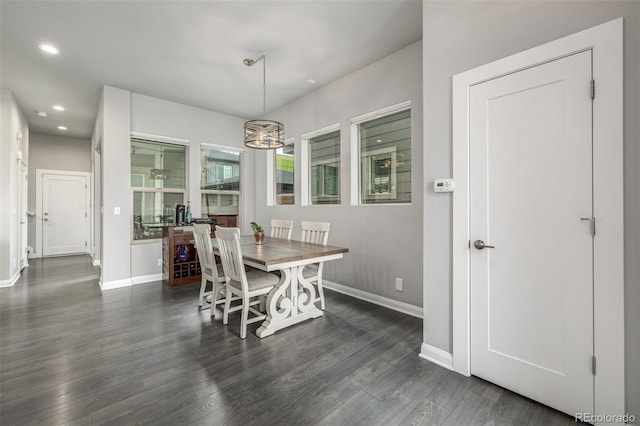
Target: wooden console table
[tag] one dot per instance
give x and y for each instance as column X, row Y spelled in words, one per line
column 175, row 272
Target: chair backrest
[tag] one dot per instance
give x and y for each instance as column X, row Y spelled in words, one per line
column 315, row 232
column 202, row 237
column 231, row 255
column 281, row 228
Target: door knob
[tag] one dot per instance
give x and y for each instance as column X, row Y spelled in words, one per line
column 479, row 244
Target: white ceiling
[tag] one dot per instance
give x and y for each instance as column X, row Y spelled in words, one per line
column 189, row 51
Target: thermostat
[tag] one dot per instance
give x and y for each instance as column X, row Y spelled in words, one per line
column 443, row 185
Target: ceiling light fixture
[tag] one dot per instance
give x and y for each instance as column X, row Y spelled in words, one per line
column 263, row 134
column 58, row 107
column 42, row 114
column 62, row 128
column 49, row 48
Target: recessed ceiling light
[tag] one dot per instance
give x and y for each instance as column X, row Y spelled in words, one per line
column 58, row 107
column 49, row 48
column 311, row 81
column 378, row 140
column 62, row 128
column 42, row 113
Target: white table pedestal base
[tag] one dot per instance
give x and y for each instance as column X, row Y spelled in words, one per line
column 293, row 301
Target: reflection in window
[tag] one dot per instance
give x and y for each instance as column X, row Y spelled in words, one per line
column 284, row 169
column 385, row 159
column 324, row 155
column 220, row 181
column 157, row 184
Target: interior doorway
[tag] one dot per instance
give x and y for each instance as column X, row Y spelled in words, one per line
column 603, row 224
column 531, row 273
column 62, row 212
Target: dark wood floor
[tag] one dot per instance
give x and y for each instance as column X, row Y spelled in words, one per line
column 71, row 354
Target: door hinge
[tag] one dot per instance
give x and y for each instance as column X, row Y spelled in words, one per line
column 85, row 214
column 592, row 221
column 85, row 243
column 593, row 89
column 593, row 365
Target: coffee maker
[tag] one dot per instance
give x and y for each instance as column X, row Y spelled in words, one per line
column 180, row 214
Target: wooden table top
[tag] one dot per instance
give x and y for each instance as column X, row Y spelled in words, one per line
column 275, row 251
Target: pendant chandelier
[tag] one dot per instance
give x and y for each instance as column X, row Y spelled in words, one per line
column 263, row 134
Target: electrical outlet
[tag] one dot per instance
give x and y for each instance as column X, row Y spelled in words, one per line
column 159, row 261
column 399, row 284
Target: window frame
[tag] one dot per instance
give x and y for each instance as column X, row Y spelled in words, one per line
column 145, row 137
column 238, row 192
column 371, row 154
column 305, row 160
column 356, row 172
column 272, row 192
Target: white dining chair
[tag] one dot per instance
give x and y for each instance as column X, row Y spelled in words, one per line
column 281, row 228
column 317, row 233
column 211, row 272
column 246, row 284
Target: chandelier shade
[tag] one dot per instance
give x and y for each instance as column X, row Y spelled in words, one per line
column 263, row 134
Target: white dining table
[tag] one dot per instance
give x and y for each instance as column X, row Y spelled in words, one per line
column 293, row 299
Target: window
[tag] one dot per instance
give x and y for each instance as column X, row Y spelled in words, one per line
column 220, row 181
column 324, row 159
column 284, row 168
column 158, row 185
column 385, row 159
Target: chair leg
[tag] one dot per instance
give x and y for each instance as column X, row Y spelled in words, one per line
column 320, row 290
column 227, row 306
column 203, row 286
column 245, row 316
column 263, row 303
column 321, row 293
column 214, row 297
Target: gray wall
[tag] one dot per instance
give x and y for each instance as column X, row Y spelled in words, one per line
column 384, row 241
column 122, row 112
column 116, row 160
column 12, row 120
column 54, row 153
column 462, row 35
column 170, row 119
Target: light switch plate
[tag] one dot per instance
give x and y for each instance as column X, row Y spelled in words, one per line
column 443, row 185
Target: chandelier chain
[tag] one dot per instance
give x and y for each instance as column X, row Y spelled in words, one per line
column 264, row 85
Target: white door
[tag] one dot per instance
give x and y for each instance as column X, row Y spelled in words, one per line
column 531, row 199
column 64, row 214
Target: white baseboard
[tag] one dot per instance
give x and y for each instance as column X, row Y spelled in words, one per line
column 437, row 356
column 128, row 282
column 405, row 308
column 11, row 281
column 110, row 285
column 146, row 278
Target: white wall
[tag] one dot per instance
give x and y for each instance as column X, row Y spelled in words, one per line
column 52, row 152
column 116, row 160
column 384, row 241
column 462, row 35
column 12, row 121
column 170, row 119
column 123, row 112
